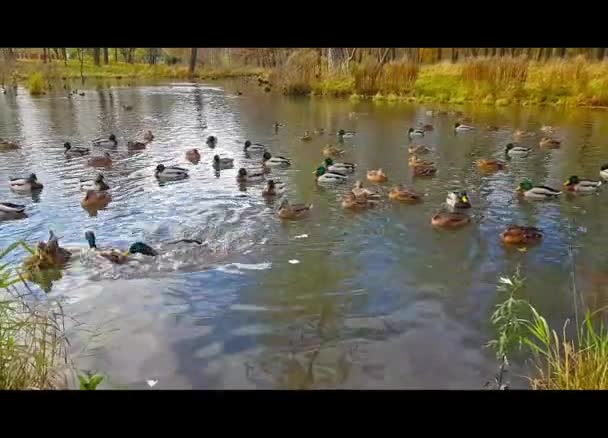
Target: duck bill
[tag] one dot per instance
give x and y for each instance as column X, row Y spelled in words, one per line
column 126, row 253
column 465, row 199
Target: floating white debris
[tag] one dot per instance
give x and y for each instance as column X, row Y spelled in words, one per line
column 294, row 261
column 581, row 229
column 151, row 383
column 522, row 249
column 301, row 236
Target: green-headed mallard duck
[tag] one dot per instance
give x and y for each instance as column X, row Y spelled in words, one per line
column 458, row 200
column 377, row 176
column 576, row 184
column 6, row 145
column 415, row 133
column 278, row 161
column 148, row 137
column 73, row 151
column 400, row 193
column 170, row 173
column 520, row 235
column 10, row 211
column 538, row 193
column 323, row 176
column 211, row 141
column 604, row 172
column 513, row 150
column 24, row 185
column 547, row 142
column 339, row 167
column 135, row 145
column 418, row 149
column 245, row 175
column 98, row 184
column 222, row 162
column 254, row 147
column 193, row 155
column 117, row 256
column 459, row 127
column 95, row 200
column 109, row 142
column 104, row 160
column 490, row 165
column 293, row 211
column 450, row 220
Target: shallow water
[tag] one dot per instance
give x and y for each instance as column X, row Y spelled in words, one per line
column 379, row 299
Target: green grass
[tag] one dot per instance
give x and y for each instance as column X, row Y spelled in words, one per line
column 35, row 84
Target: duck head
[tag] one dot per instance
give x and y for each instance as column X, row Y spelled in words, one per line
column 247, row 144
column 112, row 138
column 320, row 171
column 67, row 145
column 160, row 167
column 242, row 172
column 142, row 248
column 329, row 161
column 341, row 132
column 525, row 185
column 267, row 156
column 572, row 181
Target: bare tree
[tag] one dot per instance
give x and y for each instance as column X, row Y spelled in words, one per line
column 599, row 53
column 193, row 55
column 81, row 52
column 97, row 56
column 106, row 58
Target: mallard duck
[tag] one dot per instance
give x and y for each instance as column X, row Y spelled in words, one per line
column 323, row 176
column 319, row 131
column 254, row 147
column 306, row 136
column 491, row 128
column 424, row 170
column 28, row 184
column 604, row 172
column 333, row 166
column 222, row 162
column 6, row 145
column 148, row 137
column 352, row 202
column 520, row 235
column 458, row 200
column 342, row 133
column 547, row 142
column 415, row 161
column 361, row 192
column 104, row 160
column 415, row 133
column 400, row 193
column 71, row 151
column 98, row 184
column 331, row 150
column 427, row 127
column 278, row 161
column 109, row 142
column 247, row 176
column 135, row 146
column 271, row 189
column 418, row 149
column 539, row 193
column 170, row 173
column 521, row 133
column 377, row 176
column 49, row 255
column 211, row 141
column 96, row 200
column 193, row 156
column 450, row 220
column 293, row 211
column 576, row 184
column 546, row 129
column 459, row 127
column 517, row 151
column 116, row 255
column 10, row 211
column 490, row 165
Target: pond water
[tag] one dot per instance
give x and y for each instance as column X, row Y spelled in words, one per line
column 379, row 299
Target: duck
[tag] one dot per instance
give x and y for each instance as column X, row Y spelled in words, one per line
column 6, row 145
column 98, row 184
column 254, row 147
column 458, row 200
column 293, row 211
column 513, row 150
column 104, row 160
column 546, row 129
column 415, row 133
column 576, row 184
column 418, row 149
column 459, row 127
column 339, row 167
column 604, row 172
column 342, row 133
column 521, row 235
column 135, row 146
column 538, row 193
column 127, row 107
column 95, row 200
column 491, row 128
column 71, row 151
column 547, row 142
column 431, row 113
column 247, row 176
column 427, row 127
column 450, row 220
column 28, row 184
column 352, row 202
column 319, row 131
column 278, row 161
column 211, row 141
column 193, row 156
column 306, row 136
column 109, row 142
column 401, row 193
column 424, row 170
column 522, row 133
column 377, row 176
column 331, row 150
column 222, row 162
column 10, row 211
column 270, row 190
column 48, row 255
column 490, row 165
column 148, row 137
column 415, row 161
column 361, row 192
column 323, row 176
column 116, row 255
column 170, row 173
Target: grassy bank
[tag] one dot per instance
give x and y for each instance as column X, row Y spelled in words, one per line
column 491, row 81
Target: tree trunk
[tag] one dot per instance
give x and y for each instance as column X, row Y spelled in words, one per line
column 559, row 52
column 529, row 53
column 193, row 55
column 493, row 51
column 454, row 54
column 64, row 54
column 474, row 52
column 439, row 54
column 97, row 56
column 44, row 55
column 599, row 54
column 501, row 51
column 116, row 54
column 106, row 58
